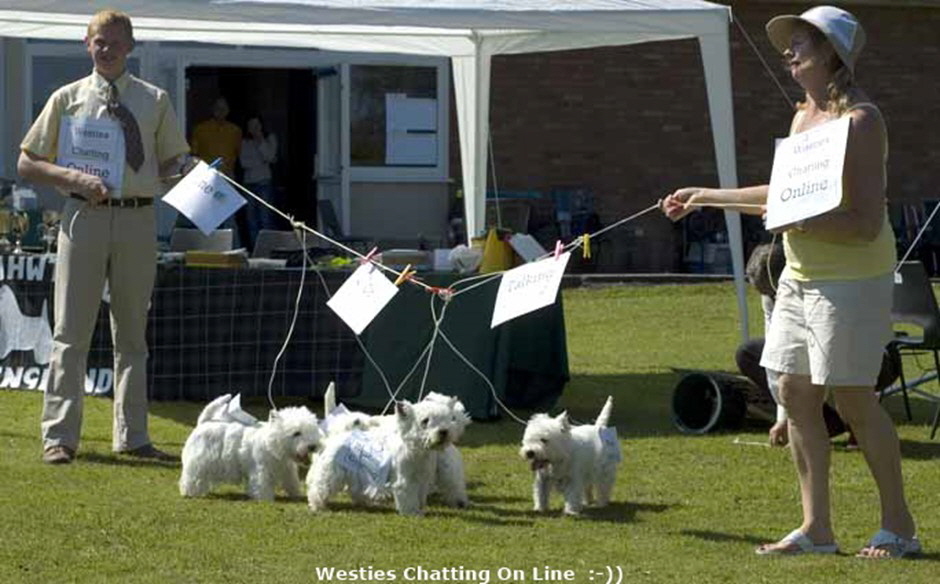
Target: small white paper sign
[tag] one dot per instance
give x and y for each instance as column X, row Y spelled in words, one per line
column 205, row 198
column 368, row 461
column 95, row 147
column 806, row 179
column 528, row 288
column 362, row 297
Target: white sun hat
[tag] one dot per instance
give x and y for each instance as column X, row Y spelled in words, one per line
column 841, row 28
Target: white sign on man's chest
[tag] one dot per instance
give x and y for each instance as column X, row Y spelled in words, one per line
column 806, row 180
column 95, row 147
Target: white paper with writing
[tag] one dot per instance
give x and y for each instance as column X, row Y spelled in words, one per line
column 368, row 462
column 362, row 297
column 95, row 147
column 806, row 179
column 528, row 287
column 205, row 197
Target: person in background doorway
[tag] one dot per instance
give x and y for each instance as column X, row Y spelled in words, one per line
column 258, row 153
column 217, row 139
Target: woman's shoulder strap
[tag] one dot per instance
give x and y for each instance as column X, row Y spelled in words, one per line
column 863, row 104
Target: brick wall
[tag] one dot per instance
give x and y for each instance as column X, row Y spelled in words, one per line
column 631, row 123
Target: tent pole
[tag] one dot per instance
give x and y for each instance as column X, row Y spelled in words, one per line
column 717, row 63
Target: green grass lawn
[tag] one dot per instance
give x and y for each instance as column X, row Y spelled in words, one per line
column 686, row 509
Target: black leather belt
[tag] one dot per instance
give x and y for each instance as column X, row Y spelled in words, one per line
column 124, row 203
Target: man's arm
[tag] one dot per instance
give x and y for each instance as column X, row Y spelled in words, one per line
column 39, row 170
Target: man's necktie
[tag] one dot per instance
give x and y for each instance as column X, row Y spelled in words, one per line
column 133, row 146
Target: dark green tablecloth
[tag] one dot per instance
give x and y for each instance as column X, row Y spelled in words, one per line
column 526, row 359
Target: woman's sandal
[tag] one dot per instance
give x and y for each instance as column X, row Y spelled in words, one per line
column 797, row 543
column 892, row 543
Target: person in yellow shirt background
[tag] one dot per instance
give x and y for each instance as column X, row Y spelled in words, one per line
column 212, row 139
column 218, row 138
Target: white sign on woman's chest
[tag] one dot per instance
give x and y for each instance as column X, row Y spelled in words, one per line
column 806, row 179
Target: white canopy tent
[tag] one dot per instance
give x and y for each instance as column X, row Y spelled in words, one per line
column 469, row 32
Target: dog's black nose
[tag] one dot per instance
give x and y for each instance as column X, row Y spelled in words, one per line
column 312, row 448
column 529, row 454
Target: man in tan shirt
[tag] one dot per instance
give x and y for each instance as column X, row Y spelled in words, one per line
column 108, row 234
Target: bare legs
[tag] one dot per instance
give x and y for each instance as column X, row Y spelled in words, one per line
column 879, row 443
column 809, row 443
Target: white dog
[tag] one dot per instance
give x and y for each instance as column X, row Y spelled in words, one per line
column 396, row 458
column 449, row 481
column 230, row 446
column 572, row 459
column 447, row 472
column 337, row 418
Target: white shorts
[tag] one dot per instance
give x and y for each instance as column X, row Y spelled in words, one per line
column 833, row 331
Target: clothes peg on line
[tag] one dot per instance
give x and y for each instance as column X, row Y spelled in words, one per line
column 558, row 248
column 405, row 274
column 586, row 240
column 367, row 259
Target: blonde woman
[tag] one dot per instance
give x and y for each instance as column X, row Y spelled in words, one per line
column 831, row 320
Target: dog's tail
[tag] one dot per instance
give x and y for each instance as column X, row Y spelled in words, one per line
column 215, row 410
column 329, row 399
column 604, row 417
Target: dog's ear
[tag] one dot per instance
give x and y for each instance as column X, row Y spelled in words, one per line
column 405, row 414
column 404, row 409
column 562, row 419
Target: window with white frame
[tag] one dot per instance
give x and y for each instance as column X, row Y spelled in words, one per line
column 394, row 116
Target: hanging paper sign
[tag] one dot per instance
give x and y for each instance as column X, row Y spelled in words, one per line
column 528, row 288
column 205, row 197
column 95, row 147
column 362, row 297
column 806, row 179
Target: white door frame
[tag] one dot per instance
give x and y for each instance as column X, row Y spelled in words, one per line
column 332, row 162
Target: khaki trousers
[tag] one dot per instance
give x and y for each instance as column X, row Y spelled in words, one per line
column 98, row 244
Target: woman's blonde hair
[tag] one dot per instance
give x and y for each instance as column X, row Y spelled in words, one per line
column 111, row 18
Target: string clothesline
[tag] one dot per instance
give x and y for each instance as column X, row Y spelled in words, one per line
column 445, row 295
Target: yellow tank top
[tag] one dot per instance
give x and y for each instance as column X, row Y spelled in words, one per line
column 809, row 258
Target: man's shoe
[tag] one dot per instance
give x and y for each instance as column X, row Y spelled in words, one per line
column 149, row 451
column 58, row 454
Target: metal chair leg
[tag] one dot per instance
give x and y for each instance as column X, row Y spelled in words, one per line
column 936, row 413
column 907, row 401
column 936, row 422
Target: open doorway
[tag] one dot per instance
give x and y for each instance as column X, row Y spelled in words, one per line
column 286, row 99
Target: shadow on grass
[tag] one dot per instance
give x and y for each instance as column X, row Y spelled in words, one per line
column 918, row 450
column 718, row 537
column 121, row 460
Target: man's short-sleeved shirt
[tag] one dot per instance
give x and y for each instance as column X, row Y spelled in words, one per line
column 88, row 98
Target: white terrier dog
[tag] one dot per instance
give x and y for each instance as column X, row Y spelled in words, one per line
column 396, row 457
column 229, row 445
column 447, row 464
column 337, row 418
column 572, row 459
column 449, row 481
